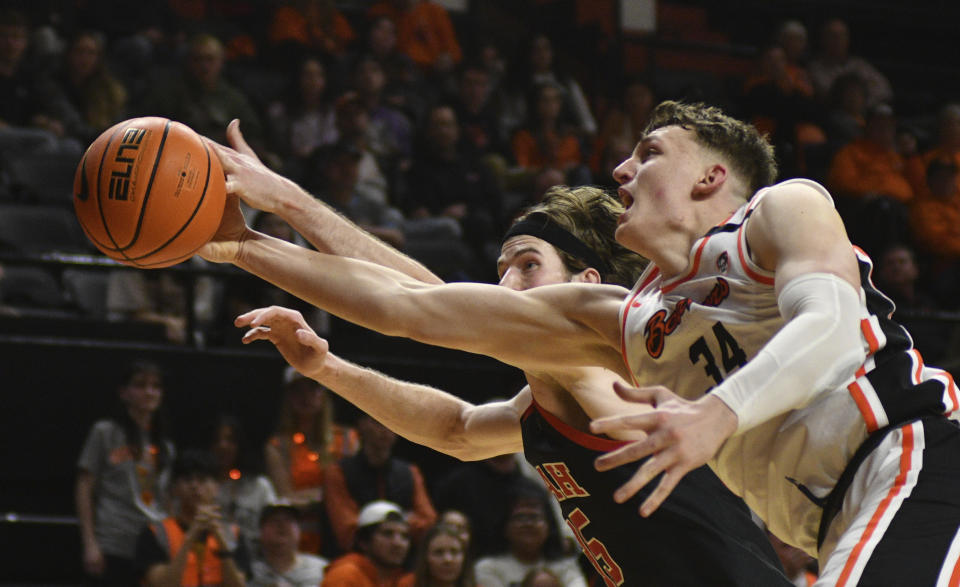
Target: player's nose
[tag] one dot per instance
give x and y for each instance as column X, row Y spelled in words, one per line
column 624, row 172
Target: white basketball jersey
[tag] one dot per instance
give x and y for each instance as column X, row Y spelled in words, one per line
column 690, row 332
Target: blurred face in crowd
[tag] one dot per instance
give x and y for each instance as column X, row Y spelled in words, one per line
column 836, row 39
column 897, row 267
column 370, row 77
column 458, row 522
column 205, row 61
column 474, row 88
column 13, row 44
column 541, row 54
column 383, row 36
column 793, row 39
column 226, row 446
column 306, row 397
column 549, row 103
column 143, row 392
column 445, row 558
column 443, row 130
column 279, row 533
column 527, row 529
column 313, row 80
column 84, row 56
column 376, row 440
column 194, row 490
column 389, row 544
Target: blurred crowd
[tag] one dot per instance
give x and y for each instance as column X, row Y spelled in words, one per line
column 432, row 130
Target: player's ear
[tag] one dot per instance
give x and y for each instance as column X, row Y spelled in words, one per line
column 712, row 180
column 588, row 275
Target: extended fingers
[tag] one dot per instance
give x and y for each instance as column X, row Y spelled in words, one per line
column 669, row 480
column 629, row 453
column 235, row 137
column 626, row 423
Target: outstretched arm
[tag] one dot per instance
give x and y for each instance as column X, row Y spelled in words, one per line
column 797, row 233
column 419, row 413
column 326, row 229
column 550, row 327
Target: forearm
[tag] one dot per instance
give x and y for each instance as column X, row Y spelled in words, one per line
column 818, row 349
column 331, row 232
column 84, row 504
column 425, row 415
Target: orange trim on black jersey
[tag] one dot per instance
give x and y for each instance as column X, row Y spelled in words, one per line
column 584, row 439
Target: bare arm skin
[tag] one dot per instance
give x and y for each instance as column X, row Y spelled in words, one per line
column 325, row 228
column 542, row 329
column 419, row 413
column 794, row 232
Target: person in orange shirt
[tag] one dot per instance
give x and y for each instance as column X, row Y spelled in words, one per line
column 868, row 178
column 947, row 147
column 935, row 222
column 547, row 141
column 306, row 442
column 313, row 24
column 374, row 474
column 425, row 32
column 381, row 545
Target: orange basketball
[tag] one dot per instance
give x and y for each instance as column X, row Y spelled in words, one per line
column 149, row 192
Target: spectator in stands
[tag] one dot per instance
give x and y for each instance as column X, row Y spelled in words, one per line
column 280, row 563
column 243, row 491
column 897, row 273
column 303, row 119
column 306, row 442
column 389, row 134
column 546, row 140
column 370, row 475
column 353, row 126
column 846, row 112
column 193, row 546
column 405, row 88
column 946, row 148
column 868, row 180
column 459, row 523
column 792, row 38
column 532, row 540
column 335, row 180
column 935, row 222
column 538, row 67
column 425, row 33
column 159, row 297
column 299, row 27
column 380, row 548
column 34, row 113
column 98, row 97
column 446, row 182
column 442, row 560
column 835, row 60
column 624, row 122
column 479, row 115
column 482, row 491
column 201, row 97
column 122, row 474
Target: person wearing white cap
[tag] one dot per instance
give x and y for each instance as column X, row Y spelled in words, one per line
column 381, row 545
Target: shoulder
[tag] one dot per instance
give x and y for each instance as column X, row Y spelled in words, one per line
column 791, row 201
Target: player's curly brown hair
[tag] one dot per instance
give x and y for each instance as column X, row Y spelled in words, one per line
column 740, row 144
column 590, row 213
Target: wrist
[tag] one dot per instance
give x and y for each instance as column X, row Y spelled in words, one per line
column 726, row 418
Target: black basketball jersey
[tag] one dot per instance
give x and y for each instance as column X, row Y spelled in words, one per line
column 701, row 535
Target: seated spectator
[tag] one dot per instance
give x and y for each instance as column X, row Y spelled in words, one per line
column 846, row 111
column 459, row 523
column 370, row 475
column 306, row 442
column 200, row 97
column 425, row 33
column 947, row 148
column 336, row 182
column 98, row 98
column 303, row 119
column 835, row 60
column 122, row 476
column 242, row 492
column 390, row 133
column 867, row 178
column 405, row 88
column 481, row 490
column 538, row 67
column 479, row 114
column 192, row 546
column 532, row 540
column 353, row 127
column 380, row 548
column 34, row 113
column 792, row 38
column 443, row 560
column 446, row 182
column 624, row 122
column 160, row 297
column 935, row 222
column 547, row 140
column 298, row 27
column 279, row 562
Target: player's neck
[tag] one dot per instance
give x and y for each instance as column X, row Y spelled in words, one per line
column 671, row 252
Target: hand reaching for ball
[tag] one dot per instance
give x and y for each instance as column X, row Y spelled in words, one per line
column 226, row 243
